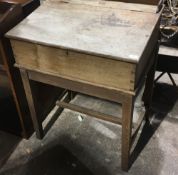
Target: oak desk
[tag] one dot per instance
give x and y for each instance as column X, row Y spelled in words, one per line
column 102, row 49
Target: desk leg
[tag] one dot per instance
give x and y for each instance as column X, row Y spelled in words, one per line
column 30, row 99
column 127, row 115
column 148, row 93
column 149, row 85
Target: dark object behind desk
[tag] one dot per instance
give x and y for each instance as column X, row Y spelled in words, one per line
column 14, row 113
column 9, row 120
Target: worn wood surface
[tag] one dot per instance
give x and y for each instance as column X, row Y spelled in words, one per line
column 78, row 86
column 69, row 64
column 147, row 57
column 80, row 47
column 108, row 4
column 102, row 31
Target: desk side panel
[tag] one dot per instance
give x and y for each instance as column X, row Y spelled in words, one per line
column 148, row 56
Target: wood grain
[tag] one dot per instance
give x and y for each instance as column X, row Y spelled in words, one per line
column 102, row 71
column 120, row 5
column 107, row 32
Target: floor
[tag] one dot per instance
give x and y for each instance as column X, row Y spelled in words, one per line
column 80, row 145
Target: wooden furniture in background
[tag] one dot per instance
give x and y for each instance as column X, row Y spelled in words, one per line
column 27, row 6
column 14, row 111
column 88, row 48
column 16, row 118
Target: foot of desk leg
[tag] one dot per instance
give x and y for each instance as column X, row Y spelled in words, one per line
column 127, row 115
column 30, row 99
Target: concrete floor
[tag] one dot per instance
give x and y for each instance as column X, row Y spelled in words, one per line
column 82, row 147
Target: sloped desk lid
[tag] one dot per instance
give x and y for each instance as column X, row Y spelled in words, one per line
column 111, row 29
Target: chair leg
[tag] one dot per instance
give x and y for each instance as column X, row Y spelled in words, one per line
column 160, row 75
column 172, row 80
column 127, row 115
column 30, row 99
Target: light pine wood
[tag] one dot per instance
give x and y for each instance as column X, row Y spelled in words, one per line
column 89, row 68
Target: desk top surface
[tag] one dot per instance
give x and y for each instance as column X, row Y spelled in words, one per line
column 110, row 29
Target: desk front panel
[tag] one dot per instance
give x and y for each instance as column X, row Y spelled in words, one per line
column 73, row 65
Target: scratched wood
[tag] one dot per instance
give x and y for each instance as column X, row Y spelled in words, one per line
column 97, row 43
column 101, row 31
column 108, row 4
column 78, row 66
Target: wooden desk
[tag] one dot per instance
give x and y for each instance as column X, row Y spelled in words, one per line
column 102, row 49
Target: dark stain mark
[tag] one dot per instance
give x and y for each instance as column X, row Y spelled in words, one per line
column 113, row 20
